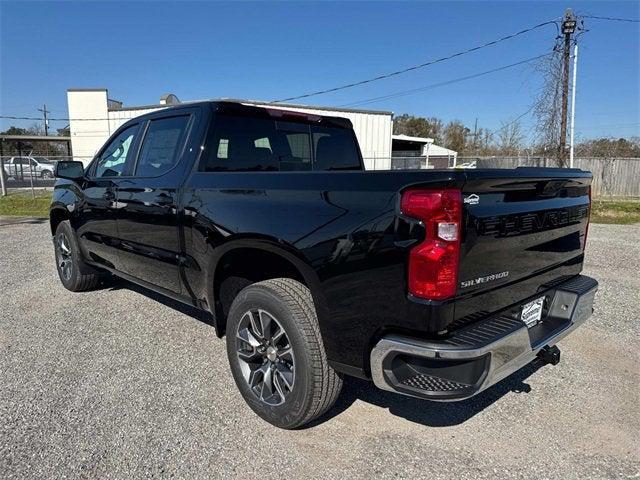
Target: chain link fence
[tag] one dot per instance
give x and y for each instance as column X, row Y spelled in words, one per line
column 409, row 162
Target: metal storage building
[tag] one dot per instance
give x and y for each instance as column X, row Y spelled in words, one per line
column 94, row 117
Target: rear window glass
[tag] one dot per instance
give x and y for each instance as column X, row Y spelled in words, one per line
column 334, row 149
column 240, row 143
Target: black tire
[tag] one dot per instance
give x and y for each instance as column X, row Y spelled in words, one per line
column 315, row 385
column 46, row 174
column 74, row 274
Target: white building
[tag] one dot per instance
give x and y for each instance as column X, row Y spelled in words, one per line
column 94, row 117
column 431, row 155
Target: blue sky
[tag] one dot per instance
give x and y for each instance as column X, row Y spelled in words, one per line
column 140, row 50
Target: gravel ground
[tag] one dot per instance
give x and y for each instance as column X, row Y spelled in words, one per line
column 119, row 383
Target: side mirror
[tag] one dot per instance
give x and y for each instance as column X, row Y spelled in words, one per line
column 69, row 170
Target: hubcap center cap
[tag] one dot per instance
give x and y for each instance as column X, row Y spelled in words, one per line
column 272, row 354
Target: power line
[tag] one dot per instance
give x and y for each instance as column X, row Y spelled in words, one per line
column 441, row 84
column 613, row 19
column 513, row 121
column 9, row 117
column 611, row 125
column 416, row 67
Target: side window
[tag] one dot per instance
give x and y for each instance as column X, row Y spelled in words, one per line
column 241, row 144
column 297, row 155
column 334, row 149
column 161, row 145
column 112, row 161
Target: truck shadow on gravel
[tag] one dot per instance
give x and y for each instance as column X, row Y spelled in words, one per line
column 8, row 220
column 424, row 412
column 114, row 283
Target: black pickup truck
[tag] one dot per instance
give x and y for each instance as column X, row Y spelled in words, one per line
column 435, row 284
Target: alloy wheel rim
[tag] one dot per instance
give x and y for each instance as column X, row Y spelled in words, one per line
column 65, row 262
column 265, row 355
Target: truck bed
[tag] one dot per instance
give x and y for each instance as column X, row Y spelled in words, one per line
column 345, row 230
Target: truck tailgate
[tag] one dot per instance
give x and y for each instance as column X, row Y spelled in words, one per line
column 521, row 227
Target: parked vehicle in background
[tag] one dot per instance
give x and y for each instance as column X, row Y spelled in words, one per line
column 19, row 167
column 432, row 283
column 471, row 164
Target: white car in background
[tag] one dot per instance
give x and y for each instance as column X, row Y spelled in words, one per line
column 471, row 164
column 19, row 167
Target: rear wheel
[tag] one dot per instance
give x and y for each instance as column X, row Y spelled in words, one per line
column 70, row 266
column 276, row 353
column 47, row 174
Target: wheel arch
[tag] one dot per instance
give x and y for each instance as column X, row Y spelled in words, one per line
column 57, row 214
column 240, row 263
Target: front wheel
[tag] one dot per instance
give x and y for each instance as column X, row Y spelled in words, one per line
column 47, row 174
column 276, row 353
column 70, row 266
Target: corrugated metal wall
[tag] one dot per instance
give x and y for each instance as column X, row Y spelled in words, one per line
column 118, row 117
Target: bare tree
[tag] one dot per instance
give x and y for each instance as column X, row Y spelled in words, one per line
column 484, row 142
column 510, row 138
column 609, row 148
column 36, row 128
column 547, row 109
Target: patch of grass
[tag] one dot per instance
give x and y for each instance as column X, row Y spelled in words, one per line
column 24, row 205
column 615, row 211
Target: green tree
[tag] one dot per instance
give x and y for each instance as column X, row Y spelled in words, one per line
column 406, row 124
column 32, row 147
column 15, row 131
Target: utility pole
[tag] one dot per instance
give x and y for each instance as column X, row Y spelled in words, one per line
column 573, row 104
column 475, row 138
column 568, row 27
column 45, row 112
column 3, row 187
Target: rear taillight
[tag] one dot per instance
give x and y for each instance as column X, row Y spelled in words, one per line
column 433, row 264
column 586, row 230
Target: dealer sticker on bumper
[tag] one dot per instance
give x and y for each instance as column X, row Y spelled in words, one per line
column 532, row 312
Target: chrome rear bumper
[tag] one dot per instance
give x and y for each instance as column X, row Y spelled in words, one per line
column 481, row 355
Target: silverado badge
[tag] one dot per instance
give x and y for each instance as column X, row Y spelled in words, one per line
column 486, row 279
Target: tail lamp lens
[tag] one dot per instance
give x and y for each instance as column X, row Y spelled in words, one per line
column 433, row 264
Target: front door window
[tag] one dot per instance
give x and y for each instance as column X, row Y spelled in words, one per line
column 113, row 158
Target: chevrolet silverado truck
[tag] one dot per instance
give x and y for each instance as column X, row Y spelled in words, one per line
column 435, row 284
